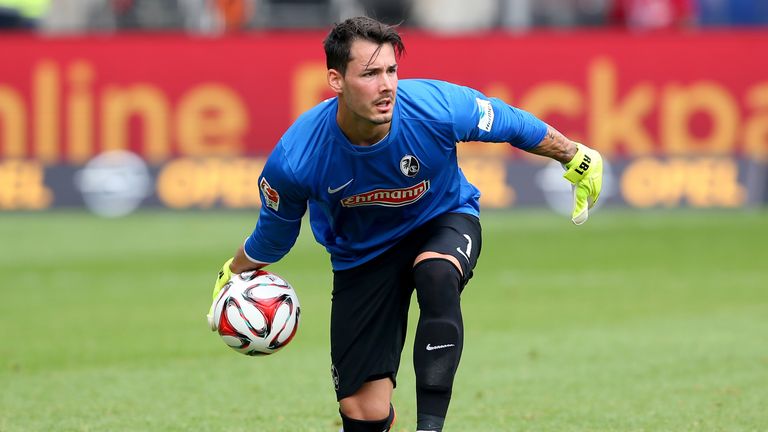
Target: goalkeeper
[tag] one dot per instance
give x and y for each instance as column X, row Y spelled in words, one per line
column 377, row 168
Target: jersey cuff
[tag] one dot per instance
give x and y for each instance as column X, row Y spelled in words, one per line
column 534, row 138
column 255, row 261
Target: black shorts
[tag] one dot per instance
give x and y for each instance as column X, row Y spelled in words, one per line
column 370, row 302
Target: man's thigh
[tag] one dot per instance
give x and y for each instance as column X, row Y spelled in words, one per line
column 458, row 235
column 369, row 314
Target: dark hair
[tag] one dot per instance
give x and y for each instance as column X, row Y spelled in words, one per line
column 339, row 40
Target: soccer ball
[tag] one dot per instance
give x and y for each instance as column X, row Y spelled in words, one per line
column 257, row 313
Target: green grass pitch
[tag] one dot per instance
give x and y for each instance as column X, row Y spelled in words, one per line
column 637, row 321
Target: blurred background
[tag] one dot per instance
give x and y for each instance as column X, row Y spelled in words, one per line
column 217, row 16
column 118, row 104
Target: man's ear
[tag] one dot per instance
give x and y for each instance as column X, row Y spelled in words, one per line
column 335, row 80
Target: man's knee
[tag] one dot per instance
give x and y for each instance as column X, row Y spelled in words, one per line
column 370, row 402
column 438, row 284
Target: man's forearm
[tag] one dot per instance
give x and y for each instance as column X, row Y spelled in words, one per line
column 241, row 263
column 556, row 146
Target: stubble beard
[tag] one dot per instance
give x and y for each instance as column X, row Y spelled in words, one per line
column 382, row 121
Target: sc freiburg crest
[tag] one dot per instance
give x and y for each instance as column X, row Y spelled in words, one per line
column 409, row 165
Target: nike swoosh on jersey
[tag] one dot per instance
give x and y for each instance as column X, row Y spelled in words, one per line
column 334, row 190
column 437, row 347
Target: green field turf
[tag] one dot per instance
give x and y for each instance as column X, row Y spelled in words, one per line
column 637, row 321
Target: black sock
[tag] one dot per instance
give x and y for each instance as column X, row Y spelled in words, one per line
column 354, row 425
column 439, row 339
column 426, row 422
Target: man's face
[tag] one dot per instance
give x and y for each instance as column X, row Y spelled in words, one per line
column 369, row 85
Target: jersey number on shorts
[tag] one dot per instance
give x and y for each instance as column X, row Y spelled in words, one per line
column 468, row 253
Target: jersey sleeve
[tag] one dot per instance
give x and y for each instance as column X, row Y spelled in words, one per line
column 477, row 117
column 283, row 203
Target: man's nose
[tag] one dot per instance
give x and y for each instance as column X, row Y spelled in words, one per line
column 386, row 83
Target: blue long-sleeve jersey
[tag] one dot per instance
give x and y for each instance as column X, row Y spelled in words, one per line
column 362, row 200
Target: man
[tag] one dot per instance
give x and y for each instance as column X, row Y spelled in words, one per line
column 377, row 167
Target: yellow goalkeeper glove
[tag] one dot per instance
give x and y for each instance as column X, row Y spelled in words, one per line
column 223, row 277
column 585, row 171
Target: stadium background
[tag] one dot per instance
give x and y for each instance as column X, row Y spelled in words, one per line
column 164, row 111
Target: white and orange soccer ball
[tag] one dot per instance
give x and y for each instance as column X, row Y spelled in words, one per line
column 256, row 313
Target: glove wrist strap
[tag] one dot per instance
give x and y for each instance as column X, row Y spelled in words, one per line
column 577, row 168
